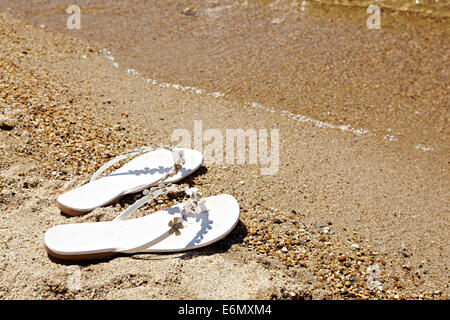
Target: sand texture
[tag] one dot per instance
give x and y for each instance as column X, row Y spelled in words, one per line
column 342, row 211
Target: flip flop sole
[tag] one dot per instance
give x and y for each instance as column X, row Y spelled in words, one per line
column 135, row 176
column 149, row 234
column 81, row 257
column 75, row 213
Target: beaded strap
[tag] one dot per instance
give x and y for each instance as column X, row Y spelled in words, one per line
column 149, row 196
column 194, row 206
column 178, row 158
column 178, row 162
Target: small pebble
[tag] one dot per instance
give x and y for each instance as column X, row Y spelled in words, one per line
column 7, row 123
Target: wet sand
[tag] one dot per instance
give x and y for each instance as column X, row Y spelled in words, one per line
column 340, row 205
column 321, row 62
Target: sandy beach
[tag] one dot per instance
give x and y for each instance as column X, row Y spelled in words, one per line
column 349, row 198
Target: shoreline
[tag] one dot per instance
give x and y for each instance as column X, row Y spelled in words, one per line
column 314, row 61
column 338, row 206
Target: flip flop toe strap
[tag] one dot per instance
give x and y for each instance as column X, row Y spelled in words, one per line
column 149, row 196
column 120, row 157
column 174, row 228
column 178, row 158
column 194, row 206
column 178, row 162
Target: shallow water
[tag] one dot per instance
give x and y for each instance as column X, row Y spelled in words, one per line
column 299, row 58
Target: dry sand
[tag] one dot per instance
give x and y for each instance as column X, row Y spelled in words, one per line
column 339, row 205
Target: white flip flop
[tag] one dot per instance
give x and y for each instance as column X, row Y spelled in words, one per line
column 193, row 224
column 155, row 166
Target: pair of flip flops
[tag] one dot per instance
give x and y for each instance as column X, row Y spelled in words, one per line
column 195, row 223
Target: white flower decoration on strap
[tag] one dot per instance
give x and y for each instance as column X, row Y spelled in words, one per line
column 178, row 159
column 178, row 162
column 195, row 205
column 149, row 196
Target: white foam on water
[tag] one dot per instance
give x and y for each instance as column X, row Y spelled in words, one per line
column 260, row 106
column 151, row 81
column 290, row 115
column 132, row 72
column 424, row 148
column 304, row 4
column 390, row 137
column 326, row 125
column 217, row 94
column 293, row 116
column 182, row 88
column 107, row 54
